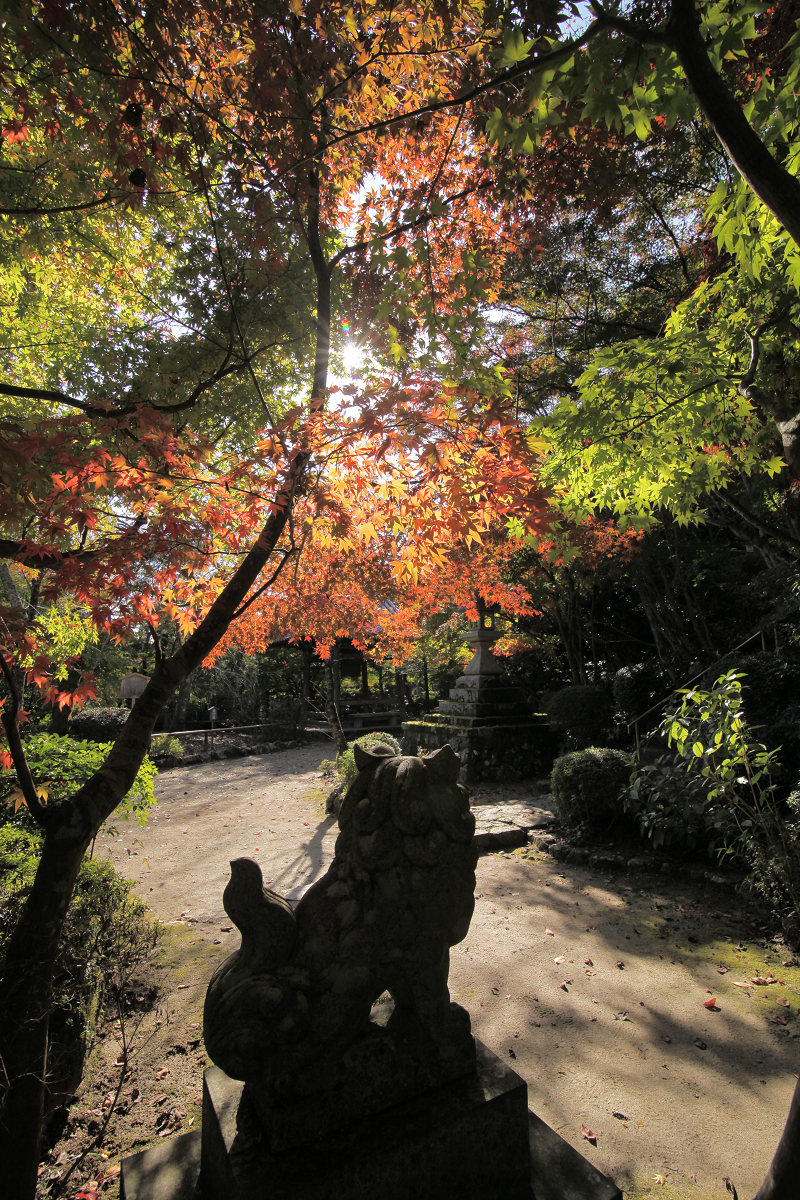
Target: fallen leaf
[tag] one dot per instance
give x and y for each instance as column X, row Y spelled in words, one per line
column 621, row 965
column 589, row 1135
column 782, row 1000
column 622, row 1016
column 588, row 962
column 561, row 958
column 723, row 970
column 549, row 933
column 660, row 1179
column 620, row 1116
column 738, row 983
column 701, row 1045
column 711, row 1004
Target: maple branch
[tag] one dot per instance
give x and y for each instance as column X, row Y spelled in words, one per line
column 776, row 535
column 423, row 219
column 643, row 34
column 227, row 283
column 38, row 211
column 50, row 560
column 529, row 65
column 21, row 766
column 287, row 554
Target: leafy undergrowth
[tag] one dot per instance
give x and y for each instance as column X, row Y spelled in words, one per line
column 144, row 1079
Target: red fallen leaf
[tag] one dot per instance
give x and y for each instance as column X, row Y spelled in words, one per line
column 782, row 1000
column 708, row 990
column 738, row 983
column 621, row 965
column 722, row 970
column 710, row 1003
column 549, row 933
column 589, row 1135
column 561, row 958
column 588, row 962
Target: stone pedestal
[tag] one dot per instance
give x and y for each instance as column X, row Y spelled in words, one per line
column 474, row 1140
column 486, row 720
column 467, row 1139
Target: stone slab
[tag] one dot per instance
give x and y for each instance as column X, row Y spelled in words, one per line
column 168, row 1171
column 468, row 1139
column 504, row 826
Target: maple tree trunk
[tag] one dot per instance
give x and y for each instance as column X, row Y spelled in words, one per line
column 25, row 996
column 26, row 986
column 771, row 182
column 781, row 1182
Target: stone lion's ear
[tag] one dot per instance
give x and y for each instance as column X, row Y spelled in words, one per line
column 371, row 758
column 445, row 763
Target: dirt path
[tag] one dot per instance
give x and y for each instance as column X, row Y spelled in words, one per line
column 592, row 986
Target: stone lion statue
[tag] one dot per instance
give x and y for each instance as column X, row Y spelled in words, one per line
column 290, row 1011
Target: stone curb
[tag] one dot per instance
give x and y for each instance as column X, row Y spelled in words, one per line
column 169, row 762
column 607, row 860
column 506, row 826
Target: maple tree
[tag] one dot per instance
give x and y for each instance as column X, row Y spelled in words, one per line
column 164, row 450
column 202, row 189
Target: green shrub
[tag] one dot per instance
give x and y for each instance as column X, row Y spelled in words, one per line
column 107, row 937
column 671, row 808
column 97, row 724
column 730, row 782
column 163, row 744
column 60, row 765
column 587, row 786
column 582, row 713
column 346, row 763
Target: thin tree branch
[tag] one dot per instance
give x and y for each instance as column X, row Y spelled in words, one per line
column 9, row 716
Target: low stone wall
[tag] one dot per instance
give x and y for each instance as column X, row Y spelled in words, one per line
column 487, row 752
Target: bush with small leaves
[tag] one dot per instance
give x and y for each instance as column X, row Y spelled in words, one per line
column 163, row 745
column 346, row 763
column 587, row 787
column 97, row 724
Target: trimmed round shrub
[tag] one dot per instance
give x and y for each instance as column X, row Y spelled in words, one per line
column 587, row 786
column 346, row 763
column 97, row 724
column 582, row 712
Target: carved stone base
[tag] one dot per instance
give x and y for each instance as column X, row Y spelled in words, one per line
column 380, row 1070
column 468, row 1139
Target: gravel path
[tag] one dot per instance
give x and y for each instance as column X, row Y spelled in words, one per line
column 591, row 985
